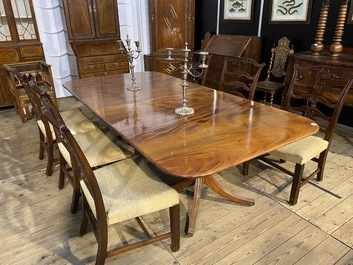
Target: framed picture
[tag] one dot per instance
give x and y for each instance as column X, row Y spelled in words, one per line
column 350, row 14
column 241, row 10
column 290, row 11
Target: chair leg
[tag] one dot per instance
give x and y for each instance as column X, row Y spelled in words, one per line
column 321, row 165
column 41, row 147
column 297, row 179
column 50, row 161
column 174, row 213
column 271, row 98
column 245, row 168
column 282, row 99
column 75, row 199
column 76, row 192
column 102, row 240
column 61, row 182
column 21, row 111
column 84, row 219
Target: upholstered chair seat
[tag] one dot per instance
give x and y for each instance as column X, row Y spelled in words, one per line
column 77, row 121
column 129, row 188
column 98, row 148
column 74, row 119
column 302, row 151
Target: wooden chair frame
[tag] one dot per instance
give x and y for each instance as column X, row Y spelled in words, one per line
column 47, row 143
column 37, row 70
column 312, row 89
column 241, row 74
column 99, row 222
column 277, row 69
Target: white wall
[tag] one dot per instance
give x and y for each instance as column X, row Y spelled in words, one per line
column 133, row 18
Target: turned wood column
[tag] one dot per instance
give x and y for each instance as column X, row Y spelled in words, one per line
column 336, row 47
column 318, row 46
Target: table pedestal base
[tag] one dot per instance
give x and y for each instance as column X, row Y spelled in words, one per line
column 214, row 185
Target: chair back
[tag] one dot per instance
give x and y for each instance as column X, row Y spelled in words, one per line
column 318, row 92
column 279, row 57
column 80, row 165
column 240, row 76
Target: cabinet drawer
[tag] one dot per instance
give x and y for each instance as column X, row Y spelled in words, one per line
column 102, row 59
column 91, row 68
column 115, row 72
column 89, row 75
column 31, row 51
column 9, row 56
column 116, row 65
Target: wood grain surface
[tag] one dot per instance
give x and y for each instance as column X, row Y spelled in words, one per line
column 225, row 130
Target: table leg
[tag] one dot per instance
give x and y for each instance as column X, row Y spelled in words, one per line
column 190, row 226
column 213, row 184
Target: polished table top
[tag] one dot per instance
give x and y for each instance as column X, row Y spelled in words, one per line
column 224, row 131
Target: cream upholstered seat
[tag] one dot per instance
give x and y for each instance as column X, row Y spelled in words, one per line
column 317, row 92
column 302, row 151
column 75, row 119
column 117, row 192
column 136, row 185
column 99, row 148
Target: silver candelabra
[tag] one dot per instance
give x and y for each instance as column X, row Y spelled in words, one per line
column 131, row 55
column 186, row 69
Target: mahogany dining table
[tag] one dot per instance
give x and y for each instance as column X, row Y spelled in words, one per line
column 224, row 131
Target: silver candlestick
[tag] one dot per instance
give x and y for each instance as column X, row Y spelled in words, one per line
column 186, row 69
column 131, row 55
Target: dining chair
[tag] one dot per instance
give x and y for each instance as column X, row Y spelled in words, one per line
column 74, row 117
column 100, row 148
column 317, row 92
column 121, row 191
column 240, row 76
column 274, row 82
column 38, row 70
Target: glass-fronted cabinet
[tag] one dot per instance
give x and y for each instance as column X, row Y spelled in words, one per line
column 19, row 40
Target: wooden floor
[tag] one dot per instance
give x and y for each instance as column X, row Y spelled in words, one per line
column 36, row 226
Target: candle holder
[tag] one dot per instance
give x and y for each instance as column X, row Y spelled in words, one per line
column 131, row 56
column 187, row 69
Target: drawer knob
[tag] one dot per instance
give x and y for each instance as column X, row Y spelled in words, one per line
column 12, row 55
column 30, row 50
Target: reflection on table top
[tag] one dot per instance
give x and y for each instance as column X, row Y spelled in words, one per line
column 225, row 130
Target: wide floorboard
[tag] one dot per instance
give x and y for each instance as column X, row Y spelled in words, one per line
column 37, row 227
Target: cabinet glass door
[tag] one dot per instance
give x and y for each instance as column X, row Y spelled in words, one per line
column 24, row 20
column 5, row 34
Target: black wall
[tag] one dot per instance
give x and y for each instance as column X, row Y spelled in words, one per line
column 301, row 35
